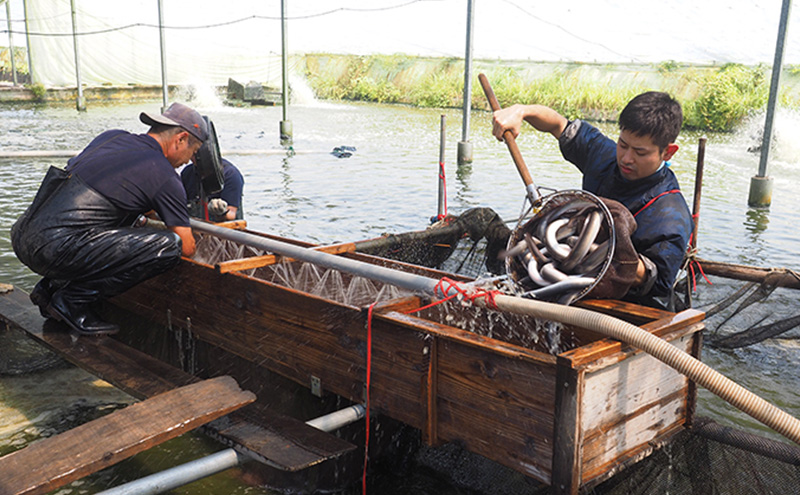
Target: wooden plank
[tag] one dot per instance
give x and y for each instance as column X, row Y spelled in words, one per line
column 632, row 313
column 674, row 323
column 143, row 376
column 56, row 461
column 568, row 436
column 270, row 259
column 246, row 263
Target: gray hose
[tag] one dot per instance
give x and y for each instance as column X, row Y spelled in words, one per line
column 703, row 375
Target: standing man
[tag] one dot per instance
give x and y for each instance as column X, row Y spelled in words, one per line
column 634, row 171
column 78, row 231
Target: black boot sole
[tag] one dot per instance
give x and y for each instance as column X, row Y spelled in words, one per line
column 56, row 314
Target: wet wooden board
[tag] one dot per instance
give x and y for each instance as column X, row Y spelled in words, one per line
column 56, row 461
column 276, row 440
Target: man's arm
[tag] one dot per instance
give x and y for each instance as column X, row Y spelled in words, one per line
column 542, row 118
column 187, row 240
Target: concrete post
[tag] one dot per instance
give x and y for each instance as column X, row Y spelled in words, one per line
column 287, row 134
column 761, row 184
column 464, row 146
column 80, row 102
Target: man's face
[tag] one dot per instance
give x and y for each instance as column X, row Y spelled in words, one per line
column 638, row 157
column 182, row 149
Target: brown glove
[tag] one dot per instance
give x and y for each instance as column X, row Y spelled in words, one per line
column 621, row 273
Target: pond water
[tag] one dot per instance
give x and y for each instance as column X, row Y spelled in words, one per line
column 389, row 185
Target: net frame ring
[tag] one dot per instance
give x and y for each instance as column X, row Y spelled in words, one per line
column 208, row 162
column 530, row 223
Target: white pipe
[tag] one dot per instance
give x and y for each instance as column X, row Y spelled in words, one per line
column 609, row 326
column 338, row 419
column 179, row 475
column 222, row 460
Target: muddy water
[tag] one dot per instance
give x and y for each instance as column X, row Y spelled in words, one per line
column 389, row 185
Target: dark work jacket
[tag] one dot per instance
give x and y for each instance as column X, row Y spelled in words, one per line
column 663, row 218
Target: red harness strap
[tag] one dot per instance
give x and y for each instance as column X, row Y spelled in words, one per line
column 649, row 203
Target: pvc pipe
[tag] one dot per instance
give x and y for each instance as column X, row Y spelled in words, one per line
column 338, row 419
column 609, row 326
column 179, row 475
column 222, row 460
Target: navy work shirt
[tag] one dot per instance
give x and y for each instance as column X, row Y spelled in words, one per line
column 663, row 225
column 231, row 192
column 131, row 171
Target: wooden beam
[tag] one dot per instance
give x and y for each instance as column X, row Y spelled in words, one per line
column 782, row 277
column 56, row 461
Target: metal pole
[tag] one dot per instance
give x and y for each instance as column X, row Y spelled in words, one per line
column 28, row 40
column 11, row 43
column 761, row 184
column 409, row 281
column 465, row 146
column 442, row 210
column 164, row 88
column 80, row 103
column 286, row 124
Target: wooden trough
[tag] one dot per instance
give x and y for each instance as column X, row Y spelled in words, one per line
column 569, row 418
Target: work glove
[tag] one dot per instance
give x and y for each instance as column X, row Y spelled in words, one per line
column 621, row 273
column 217, row 207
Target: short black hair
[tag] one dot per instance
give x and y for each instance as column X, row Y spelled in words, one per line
column 655, row 114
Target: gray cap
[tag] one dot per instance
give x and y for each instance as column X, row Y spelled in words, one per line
column 182, row 116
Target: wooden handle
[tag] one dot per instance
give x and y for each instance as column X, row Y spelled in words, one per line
column 508, row 136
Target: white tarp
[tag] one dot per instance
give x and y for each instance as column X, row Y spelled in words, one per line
column 119, row 43
column 208, row 41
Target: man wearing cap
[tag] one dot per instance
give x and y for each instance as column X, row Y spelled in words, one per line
column 78, row 233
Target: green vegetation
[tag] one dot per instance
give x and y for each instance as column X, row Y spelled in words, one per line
column 713, row 98
column 38, row 90
column 726, row 97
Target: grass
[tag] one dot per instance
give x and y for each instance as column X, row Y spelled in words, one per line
column 713, row 99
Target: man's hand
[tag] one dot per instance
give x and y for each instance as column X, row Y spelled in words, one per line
column 217, row 207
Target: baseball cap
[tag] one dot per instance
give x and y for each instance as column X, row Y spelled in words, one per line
column 179, row 115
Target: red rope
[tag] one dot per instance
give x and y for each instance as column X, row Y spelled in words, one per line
column 366, row 417
column 487, row 295
column 654, row 200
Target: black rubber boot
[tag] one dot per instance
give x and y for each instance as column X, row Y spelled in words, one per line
column 79, row 317
column 40, row 296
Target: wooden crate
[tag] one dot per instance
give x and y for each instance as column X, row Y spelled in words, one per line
column 568, row 420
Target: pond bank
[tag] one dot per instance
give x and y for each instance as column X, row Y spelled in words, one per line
column 714, row 97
